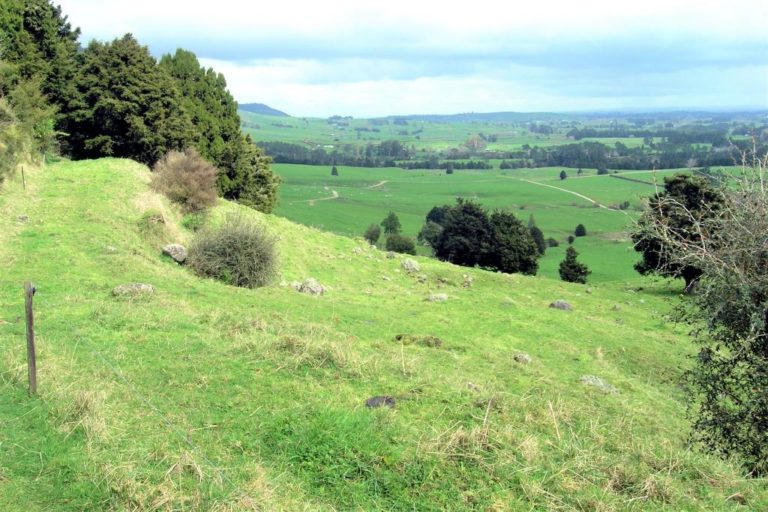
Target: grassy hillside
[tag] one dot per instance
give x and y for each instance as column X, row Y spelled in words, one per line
column 348, row 203
column 207, row 397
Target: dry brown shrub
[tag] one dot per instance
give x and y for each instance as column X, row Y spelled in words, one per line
column 186, row 178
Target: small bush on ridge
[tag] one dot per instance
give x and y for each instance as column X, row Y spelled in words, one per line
column 401, row 244
column 240, row 253
column 372, row 234
column 186, row 178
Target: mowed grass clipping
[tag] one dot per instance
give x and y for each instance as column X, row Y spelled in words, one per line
column 209, row 397
column 347, row 204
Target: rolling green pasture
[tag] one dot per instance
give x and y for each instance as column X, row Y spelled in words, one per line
column 212, row 398
column 365, row 196
column 422, row 135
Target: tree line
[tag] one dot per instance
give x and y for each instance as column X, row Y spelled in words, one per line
column 114, row 99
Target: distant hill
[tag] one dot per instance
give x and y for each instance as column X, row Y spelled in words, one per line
column 260, row 108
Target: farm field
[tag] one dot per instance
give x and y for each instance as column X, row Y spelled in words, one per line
column 208, row 397
column 348, row 203
column 422, row 135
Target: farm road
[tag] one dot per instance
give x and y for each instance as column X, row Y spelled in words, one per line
column 572, row 193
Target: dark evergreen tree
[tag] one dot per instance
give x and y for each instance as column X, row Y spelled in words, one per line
column 391, row 224
column 580, row 230
column 429, row 233
column 39, row 41
column 251, row 181
column 513, row 248
column 538, row 239
column 125, row 105
column 467, row 237
column 211, row 108
column 372, row 234
column 571, row 239
column 571, row 269
column 334, row 171
column 686, row 202
column 563, row 174
column 245, row 173
column 437, row 214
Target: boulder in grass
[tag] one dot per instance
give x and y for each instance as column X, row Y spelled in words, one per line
column 133, row 290
column 310, row 286
column 522, row 358
column 380, row 401
column 410, row 265
column 562, row 305
column 597, row 382
column 438, row 297
column 391, row 255
column 176, row 251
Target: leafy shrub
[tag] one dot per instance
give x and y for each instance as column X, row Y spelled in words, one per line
column 399, row 243
column 551, row 242
column 186, row 178
column 240, row 253
column 391, row 224
column 580, row 230
column 372, row 234
column 571, row 239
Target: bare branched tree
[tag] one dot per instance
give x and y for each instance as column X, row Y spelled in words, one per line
column 728, row 242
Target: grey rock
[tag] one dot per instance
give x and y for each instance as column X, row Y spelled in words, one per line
column 597, row 382
column 380, row 401
column 310, row 286
column 357, row 250
column 438, row 297
column 133, row 290
column 561, row 304
column 22, row 218
column 410, row 265
column 522, row 358
column 390, row 255
column 468, row 280
column 422, row 278
column 176, row 251
column 588, row 290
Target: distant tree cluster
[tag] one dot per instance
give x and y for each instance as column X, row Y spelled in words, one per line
column 114, row 99
column 466, row 234
column 394, row 240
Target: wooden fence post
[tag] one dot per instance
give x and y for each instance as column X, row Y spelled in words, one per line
column 29, row 292
column 23, row 178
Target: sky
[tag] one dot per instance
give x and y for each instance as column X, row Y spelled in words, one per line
column 367, row 59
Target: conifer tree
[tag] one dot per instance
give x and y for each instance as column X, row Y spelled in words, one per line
column 571, row 270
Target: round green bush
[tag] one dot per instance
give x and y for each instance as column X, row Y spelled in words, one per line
column 239, row 252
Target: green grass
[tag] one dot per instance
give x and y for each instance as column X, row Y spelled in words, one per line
column 421, row 135
column 365, row 196
column 208, row 397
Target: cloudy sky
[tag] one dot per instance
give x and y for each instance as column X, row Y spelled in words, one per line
column 366, row 58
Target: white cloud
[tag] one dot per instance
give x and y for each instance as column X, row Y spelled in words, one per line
column 405, row 56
